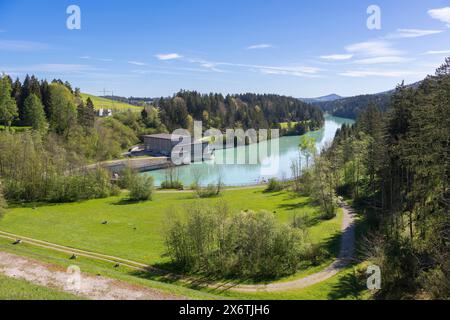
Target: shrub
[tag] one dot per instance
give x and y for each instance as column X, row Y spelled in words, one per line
column 178, row 185
column 84, row 185
column 246, row 245
column 212, row 190
column 126, row 177
column 274, row 186
column 141, row 188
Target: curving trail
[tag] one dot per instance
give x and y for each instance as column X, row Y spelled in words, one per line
column 345, row 256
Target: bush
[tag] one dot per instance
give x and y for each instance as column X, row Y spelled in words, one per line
column 212, row 190
column 141, row 188
column 84, row 185
column 178, row 185
column 274, row 185
column 126, row 177
column 246, row 245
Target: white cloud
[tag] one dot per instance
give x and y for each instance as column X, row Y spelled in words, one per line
column 137, row 63
column 337, row 57
column 12, row 45
column 376, row 48
column 379, row 60
column 260, row 46
column 168, row 56
column 431, row 52
column 97, row 59
column 441, row 14
column 298, row 71
column 412, row 33
column 379, row 73
column 53, row 68
column 275, row 70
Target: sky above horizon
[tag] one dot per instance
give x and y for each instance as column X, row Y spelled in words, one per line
column 155, row 48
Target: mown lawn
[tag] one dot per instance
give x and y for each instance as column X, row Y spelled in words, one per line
column 135, row 231
column 102, row 103
column 14, row 289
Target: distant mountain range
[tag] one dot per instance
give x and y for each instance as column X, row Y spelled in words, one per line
column 351, row 107
column 330, row 97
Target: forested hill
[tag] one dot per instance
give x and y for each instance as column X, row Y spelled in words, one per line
column 351, row 107
column 238, row 111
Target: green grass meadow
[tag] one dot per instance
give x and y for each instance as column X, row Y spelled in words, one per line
column 135, row 231
column 102, row 103
column 15, row 289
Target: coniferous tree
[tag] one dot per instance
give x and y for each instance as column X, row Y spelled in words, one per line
column 34, row 113
column 86, row 114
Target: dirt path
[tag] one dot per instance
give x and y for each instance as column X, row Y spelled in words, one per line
column 88, row 286
column 344, row 258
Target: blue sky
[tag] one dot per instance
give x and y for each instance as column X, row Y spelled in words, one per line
column 154, row 48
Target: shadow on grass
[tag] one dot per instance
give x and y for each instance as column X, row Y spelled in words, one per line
column 351, row 285
column 126, row 202
column 168, row 273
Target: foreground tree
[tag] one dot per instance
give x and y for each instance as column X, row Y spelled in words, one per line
column 8, row 106
column 62, row 108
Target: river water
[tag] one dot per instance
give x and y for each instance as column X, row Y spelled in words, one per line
column 275, row 164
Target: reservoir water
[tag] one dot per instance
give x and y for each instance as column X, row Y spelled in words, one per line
column 274, row 165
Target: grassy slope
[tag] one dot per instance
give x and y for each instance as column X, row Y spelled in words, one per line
column 109, row 104
column 80, row 224
column 334, row 288
column 14, row 289
column 99, row 268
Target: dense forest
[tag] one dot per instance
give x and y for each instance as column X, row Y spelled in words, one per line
column 237, row 111
column 351, row 107
column 395, row 165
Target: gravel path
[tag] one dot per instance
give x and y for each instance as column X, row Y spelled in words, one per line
column 88, row 286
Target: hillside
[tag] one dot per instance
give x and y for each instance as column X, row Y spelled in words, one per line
column 100, row 103
column 351, row 107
